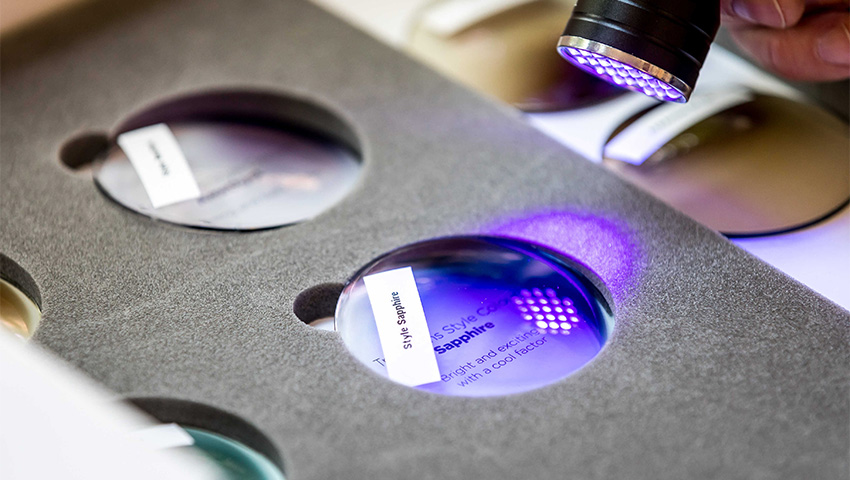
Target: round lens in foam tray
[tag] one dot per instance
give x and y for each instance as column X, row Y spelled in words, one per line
column 762, row 167
column 234, row 460
column 491, row 47
column 501, row 316
column 249, row 176
column 18, row 313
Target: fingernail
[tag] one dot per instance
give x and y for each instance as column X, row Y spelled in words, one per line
column 834, row 47
column 741, row 9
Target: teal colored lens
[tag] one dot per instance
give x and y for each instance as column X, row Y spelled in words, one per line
column 235, row 460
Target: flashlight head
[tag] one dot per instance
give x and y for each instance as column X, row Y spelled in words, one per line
column 653, row 47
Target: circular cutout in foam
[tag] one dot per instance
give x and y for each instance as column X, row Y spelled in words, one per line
column 503, row 316
column 258, row 161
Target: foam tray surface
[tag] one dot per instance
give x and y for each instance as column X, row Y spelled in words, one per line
column 718, row 365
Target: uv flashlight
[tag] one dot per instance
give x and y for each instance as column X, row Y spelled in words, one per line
column 653, row 47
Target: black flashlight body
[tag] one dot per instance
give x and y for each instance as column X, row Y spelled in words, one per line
column 668, row 39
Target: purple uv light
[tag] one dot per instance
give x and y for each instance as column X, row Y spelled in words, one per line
column 621, row 74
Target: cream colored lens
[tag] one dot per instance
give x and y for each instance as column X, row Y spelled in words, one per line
column 762, row 167
column 507, row 54
column 18, row 314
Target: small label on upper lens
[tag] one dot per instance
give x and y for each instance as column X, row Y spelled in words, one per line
column 402, row 328
column 158, row 160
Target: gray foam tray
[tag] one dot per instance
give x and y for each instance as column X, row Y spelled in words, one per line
column 719, row 366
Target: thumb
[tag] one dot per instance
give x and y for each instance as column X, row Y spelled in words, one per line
column 768, row 13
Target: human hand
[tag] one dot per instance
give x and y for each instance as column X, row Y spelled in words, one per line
column 806, row 40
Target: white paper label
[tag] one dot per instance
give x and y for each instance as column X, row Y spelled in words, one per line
column 402, row 329
column 450, row 18
column 641, row 139
column 168, row 435
column 160, row 164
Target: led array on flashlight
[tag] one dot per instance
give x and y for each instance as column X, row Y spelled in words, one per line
column 621, row 74
column 546, row 310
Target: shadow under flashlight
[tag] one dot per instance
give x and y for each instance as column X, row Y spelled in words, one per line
column 653, row 47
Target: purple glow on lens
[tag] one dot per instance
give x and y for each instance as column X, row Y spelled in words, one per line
column 608, row 247
column 471, row 291
column 621, row 74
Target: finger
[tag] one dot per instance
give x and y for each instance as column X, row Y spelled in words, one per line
column 768, row 13
column 817, row 49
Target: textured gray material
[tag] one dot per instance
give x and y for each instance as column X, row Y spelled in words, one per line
column 719, row 366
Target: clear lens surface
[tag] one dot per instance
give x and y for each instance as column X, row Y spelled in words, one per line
column 250, row 176
column 504, row 316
